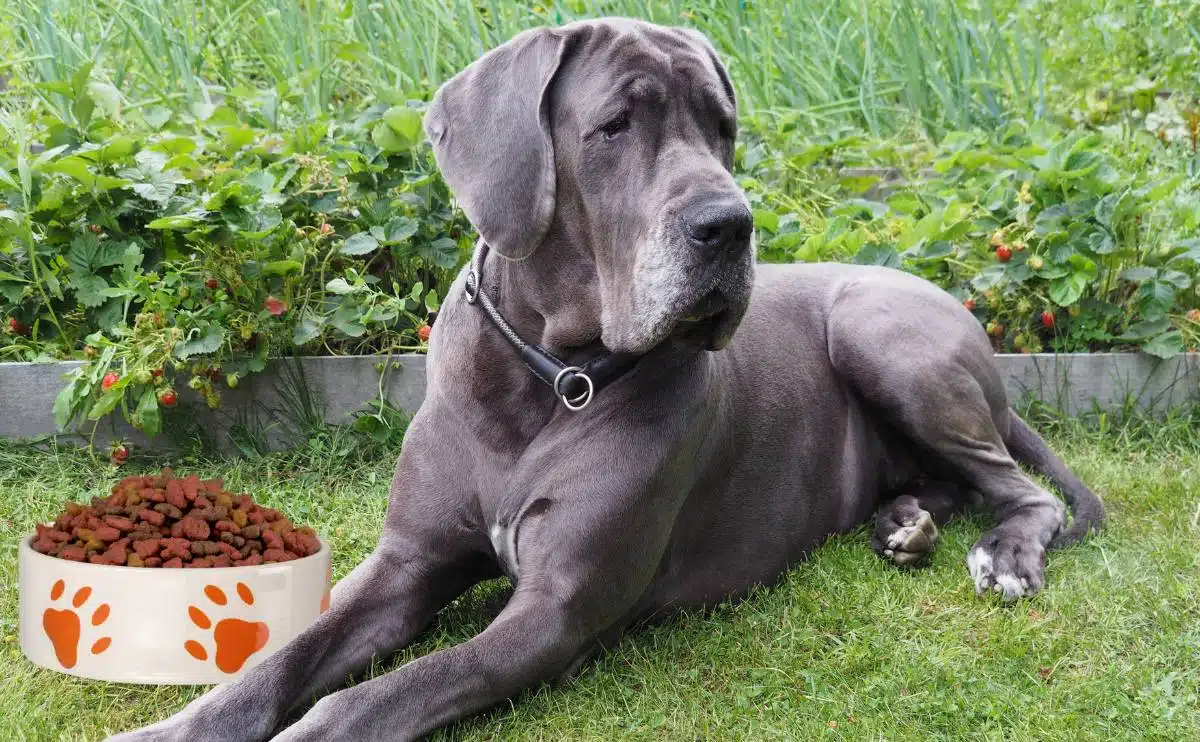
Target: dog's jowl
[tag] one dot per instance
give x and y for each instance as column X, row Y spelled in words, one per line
column 625, row 414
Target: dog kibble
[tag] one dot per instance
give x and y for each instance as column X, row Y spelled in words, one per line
column 172, row 523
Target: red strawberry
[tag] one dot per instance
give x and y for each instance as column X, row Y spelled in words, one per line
column 212, row 283
column 1004, row 253
column 423, row 333
column 168, row 398
column 109, row 380
column 16, row 326
column 156, row 373
column 119, row 455
column 275, row 306
column 1048, row 320
column 94, row 228
column 969, row 304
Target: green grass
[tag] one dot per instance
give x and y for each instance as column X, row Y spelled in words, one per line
column 845, row 647
column 878, row 64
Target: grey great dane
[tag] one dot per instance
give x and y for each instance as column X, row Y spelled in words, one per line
column 765, row 407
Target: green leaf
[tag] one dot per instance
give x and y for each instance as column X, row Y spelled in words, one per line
column 432, row 301
column 345, row 319
column 89, row 290
column 878, row 255
column 387, row 139
column 178, row 222
column 1141, row 273
column 1066, row 291
column 282, row 267
column 1145, row 329
column 359, row 244
column 1166, row 345
column 156, row 116
column 197, row 343
column 64, row 404
column 400, row 228
column 406, row 122
column 340, row 287
column 307, row 329
column 107, row 403
column 147, row 409
column 764, row 219
column 88, row 254
column 106, row 97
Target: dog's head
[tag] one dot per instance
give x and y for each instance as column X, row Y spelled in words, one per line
column 625, row 130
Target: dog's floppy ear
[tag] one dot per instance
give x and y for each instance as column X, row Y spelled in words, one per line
column 490, row 129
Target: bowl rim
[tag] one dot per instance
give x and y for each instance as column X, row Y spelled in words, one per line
column 26, row 548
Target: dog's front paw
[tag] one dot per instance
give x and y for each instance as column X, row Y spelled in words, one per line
column 1008, row 565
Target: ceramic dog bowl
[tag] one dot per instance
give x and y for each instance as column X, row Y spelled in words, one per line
column 164, row 626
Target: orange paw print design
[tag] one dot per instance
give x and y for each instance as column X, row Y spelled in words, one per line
column 235, row 639
column 64, row 627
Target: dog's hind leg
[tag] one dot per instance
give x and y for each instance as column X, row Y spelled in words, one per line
column 928, row 369
column 906, row 525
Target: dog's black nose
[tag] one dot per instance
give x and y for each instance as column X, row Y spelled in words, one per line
column 715, row 226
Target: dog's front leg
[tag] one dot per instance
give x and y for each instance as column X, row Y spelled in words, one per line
column 535, row 638
column 586, row 556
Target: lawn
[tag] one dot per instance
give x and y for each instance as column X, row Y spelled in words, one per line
column 845, row 647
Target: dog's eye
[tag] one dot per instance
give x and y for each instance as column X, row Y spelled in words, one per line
column 613, row 128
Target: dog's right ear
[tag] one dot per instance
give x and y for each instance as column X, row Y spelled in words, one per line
column 490, row 129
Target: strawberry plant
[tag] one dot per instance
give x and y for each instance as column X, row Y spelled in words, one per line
column 203, row 243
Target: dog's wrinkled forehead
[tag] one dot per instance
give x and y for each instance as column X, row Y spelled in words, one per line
column 643, row 61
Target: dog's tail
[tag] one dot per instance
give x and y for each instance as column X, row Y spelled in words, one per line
column 1028, row 448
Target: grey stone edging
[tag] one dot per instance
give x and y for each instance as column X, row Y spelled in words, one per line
column 343, row 386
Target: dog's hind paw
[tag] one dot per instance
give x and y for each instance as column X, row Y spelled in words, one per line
column 1013, row 568
column 909, row 541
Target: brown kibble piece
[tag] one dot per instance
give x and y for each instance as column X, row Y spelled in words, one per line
column 152, row 517
column 107, row 534
column 272, row 540
column 195, row 529
column 253, row 531
column 124, row 525
column 175, row 563
column 133, row 560
column 147, row 548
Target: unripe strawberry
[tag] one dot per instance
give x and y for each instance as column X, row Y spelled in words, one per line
column 1194, row 315
column 1036, row 262
column 326, row 229
column 119, row 455
column 995, row 329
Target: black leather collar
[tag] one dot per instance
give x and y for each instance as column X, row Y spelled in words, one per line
column 575, row 386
